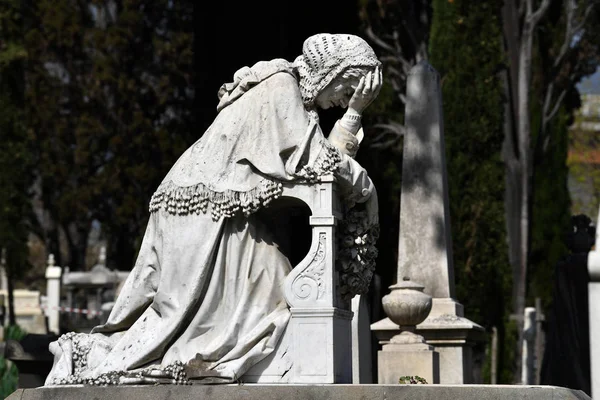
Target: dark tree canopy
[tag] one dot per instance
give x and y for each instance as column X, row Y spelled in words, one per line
column 112, row 86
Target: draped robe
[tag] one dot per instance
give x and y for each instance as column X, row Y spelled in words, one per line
column 206, row 290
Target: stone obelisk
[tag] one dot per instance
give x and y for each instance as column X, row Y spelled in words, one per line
column 425, row 245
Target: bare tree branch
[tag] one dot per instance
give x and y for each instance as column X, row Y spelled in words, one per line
column 535, row 17
column 378, row 41
column 394, row 72
column 572, row 28
column 521, row 9
column 392, row 132
column 384, row 145
column 548, row 98
column 393, row 126
column 547, row 117
column 396, row 52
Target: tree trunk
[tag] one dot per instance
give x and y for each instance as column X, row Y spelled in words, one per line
column 510, row 150
column 524, row 135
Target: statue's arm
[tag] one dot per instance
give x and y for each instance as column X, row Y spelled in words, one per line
column 346, row 141
column 354, row 180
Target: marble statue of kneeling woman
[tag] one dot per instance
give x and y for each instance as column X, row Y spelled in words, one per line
column 207, row 283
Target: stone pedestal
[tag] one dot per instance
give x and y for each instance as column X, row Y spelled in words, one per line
column 321, row 340
column 451, row 335
column 317, row 344
column 407, row 354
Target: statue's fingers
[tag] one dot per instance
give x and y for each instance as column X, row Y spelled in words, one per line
column 361, row 85
column 379, row 85
column 368, row 83
column 376, row 79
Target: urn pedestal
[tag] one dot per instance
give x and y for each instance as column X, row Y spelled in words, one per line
column 407, row 354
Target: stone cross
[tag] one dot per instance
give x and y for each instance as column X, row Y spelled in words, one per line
column 528, row 352
column 425, row 248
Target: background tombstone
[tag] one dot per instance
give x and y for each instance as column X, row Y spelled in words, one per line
column 425, row 245
column 53, row 274
column 528, row 353
column 594, row 312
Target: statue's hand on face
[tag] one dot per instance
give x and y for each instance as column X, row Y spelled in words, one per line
column 337, row 93
column 367, row 90
column 352, row 93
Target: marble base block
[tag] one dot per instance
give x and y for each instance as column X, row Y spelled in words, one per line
column 451, row 335
column 398, row 359
column 316, row 348
column 313, row 392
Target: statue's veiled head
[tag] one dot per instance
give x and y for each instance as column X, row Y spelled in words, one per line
column 331, row 66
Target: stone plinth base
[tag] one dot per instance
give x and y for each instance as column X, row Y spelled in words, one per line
column 315, row 349
column 392, row 365
column 314, row 392
column 449, row 333
column 407, row 354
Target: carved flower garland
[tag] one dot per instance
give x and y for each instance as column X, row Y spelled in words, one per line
column 356, row 253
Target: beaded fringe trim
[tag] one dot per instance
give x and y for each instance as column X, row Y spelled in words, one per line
column 177, row 200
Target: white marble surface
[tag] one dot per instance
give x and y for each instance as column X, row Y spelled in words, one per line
column 528, row 349
column 211, row 296
column 594, row 312
column 361, row 341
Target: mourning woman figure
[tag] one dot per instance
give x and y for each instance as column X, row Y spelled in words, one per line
column 207, row 283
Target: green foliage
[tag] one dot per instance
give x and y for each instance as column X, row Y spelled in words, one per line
column 473, row 121
column 509, row 335
column 16, row 175
column 551, row 217
column 14, row 332
column 9, row 374
column 9, row 377
column 112, row 90
column 551, row 203
column 412, row 380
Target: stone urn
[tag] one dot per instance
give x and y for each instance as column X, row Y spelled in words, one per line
column 407, row 305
